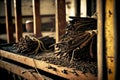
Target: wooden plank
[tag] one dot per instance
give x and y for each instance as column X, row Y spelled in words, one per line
column 18, row 19
column 25, row 73
column 60, row 18
column 110, row 38
column 9, row 25
column 36, row 17
column 44, row 66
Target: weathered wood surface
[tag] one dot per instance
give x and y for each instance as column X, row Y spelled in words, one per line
column 25, row 73
column 55, row 69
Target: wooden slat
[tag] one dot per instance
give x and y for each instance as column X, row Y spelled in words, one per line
column 9, row 25
column 44, row 66
column 60, row 18
column 25, row 73
column 36, row 17
column 18, row 19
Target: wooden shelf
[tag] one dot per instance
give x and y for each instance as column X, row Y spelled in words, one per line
column 58, row 70
column 25, row 73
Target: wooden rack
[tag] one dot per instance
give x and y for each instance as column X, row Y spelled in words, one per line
column 108, row 27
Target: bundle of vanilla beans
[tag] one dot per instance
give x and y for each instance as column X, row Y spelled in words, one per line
column 79, row 41
column 33, row 45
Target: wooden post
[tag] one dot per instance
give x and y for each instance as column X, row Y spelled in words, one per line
column 36, row 17
column 60, row 18
column 110, row 38
column 9, row 25
column 100, row 39
column 18, row 19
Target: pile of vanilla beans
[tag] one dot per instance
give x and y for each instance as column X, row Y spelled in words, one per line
column 33, row 45
column 79, row 41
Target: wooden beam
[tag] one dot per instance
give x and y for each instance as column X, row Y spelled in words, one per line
column 60, row 18
column 44, row 66
column 9, row 25
column 110, row 38
column 100, row 52
column 36, row 17
column 18, row 19
column 23, row 72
